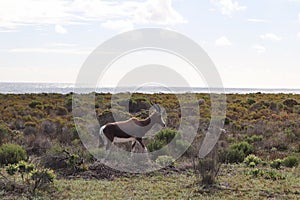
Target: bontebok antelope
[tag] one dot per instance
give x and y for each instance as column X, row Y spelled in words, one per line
column 132, row 129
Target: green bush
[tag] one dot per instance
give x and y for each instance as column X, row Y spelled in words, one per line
column 11, row 154
column 155, row 145
column 166, row 135
column 254, row 138
column 238, row 151
column 268, row 174
column 28, row 177
column 61, row 111
column 244, row 146
column 4, row 133
column 251, row 101
column 165, row 160
column 271, row 174
column 33, row 104
column 276, row 163
column 235, row 156
column 252, row 164
column 255, row 172
column 252, row 159
column 161, row 139
column 290, row 161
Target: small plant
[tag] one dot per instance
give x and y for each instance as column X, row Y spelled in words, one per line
column 268, row 174
column 255, row 172
column 251, row 101
column 271, row 174
column 4, row 133
column 253, row 138
column 252, row 159
column 12, row 169
column 27, row 177
column 165, row 160
column 290, row 161
column 11, row 154
column 252, row 164
column 41, row 178
column 276, row 163
column 33, row 104
column 61, row 111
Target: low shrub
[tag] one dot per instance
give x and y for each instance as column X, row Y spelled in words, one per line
column 244, row 146
column 268, row 174
column 11, row 154
column 161, row 139
column 253, row 138
column 60, row 111
column 33, row 104
column 273, row 175
column 27, row 178
column 237, row 152
column 276, row 163
column 165, row 161
column 234, row 156
column 290, row 161
column 252, row 159
column 4, row 133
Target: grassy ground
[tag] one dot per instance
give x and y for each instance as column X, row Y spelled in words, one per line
column 233, row 183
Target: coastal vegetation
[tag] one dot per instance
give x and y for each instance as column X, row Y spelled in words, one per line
column 41, row 153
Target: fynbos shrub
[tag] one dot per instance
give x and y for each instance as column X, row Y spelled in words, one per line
column 290, row 161
column 11, row 154
column 252, row 159
column 165, row 160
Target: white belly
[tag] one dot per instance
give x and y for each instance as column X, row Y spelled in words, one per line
column 120, row 140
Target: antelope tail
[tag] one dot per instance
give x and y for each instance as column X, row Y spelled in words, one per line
column 102, row 137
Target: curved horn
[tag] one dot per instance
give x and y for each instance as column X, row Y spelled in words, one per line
column 157, row 107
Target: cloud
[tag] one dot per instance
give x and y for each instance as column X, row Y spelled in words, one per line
column 271, row 37
column 223, row 41
column 228, row 7
column 8, row 31
column 60, row 29
column 258, row 20
column 259, row 48
column 110, row 14
column 298, row 34
column 122, row 25
column 50, row 50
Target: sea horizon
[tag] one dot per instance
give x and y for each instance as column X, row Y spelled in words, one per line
column 65, row 88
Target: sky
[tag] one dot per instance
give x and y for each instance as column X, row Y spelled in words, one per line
column 254, row 44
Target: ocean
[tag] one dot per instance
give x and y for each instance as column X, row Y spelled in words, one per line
column 64, row 88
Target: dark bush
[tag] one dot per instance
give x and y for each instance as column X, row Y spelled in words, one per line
column 61, row 111
column 290, row 102
column 4, row 133
column 161, row 139
column 251, row 101
column 253, row 138
column 276, row 163
column 235, row 156
column 290, row 161
column 238, row 151
column 243, row 146
column 33, row 104
column 11, row 154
